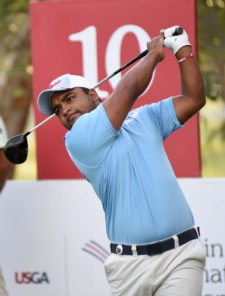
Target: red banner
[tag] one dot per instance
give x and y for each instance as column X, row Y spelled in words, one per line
column 93, row 39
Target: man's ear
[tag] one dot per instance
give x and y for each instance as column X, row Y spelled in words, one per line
column 93, row 94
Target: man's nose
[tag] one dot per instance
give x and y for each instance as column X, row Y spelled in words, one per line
column 65, row 110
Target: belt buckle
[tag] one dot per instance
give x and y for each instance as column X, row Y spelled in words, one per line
column 134, row 250
column 119, row 249
column 176, row 241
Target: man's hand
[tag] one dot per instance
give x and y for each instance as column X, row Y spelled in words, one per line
column 174, row 43
column 156, row 46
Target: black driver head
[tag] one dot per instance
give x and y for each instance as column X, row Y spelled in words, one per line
column 16, row 149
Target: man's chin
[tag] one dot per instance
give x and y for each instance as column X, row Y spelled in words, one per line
column 70, row 124
column 67, row 126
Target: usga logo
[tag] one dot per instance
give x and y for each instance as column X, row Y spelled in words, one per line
column 31, row 277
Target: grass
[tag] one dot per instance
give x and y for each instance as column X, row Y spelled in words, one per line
column 212, row 141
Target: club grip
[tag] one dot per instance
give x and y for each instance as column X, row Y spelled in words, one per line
column 178, row 31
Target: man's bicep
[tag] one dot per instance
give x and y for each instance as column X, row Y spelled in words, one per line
column 184, row 107
column 164, row 117
column 117, row 107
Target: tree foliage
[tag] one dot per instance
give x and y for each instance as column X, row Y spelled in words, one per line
column 15, row 61
column 211, row 28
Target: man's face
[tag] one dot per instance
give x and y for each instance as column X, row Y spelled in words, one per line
column 70, row 104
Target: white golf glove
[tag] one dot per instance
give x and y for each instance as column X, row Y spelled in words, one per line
column 174, row 43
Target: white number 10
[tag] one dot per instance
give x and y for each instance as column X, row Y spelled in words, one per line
column 88, row 39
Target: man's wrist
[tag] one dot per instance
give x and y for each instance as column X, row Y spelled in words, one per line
column 185, row 58
column 155, row 55
column 183, row 51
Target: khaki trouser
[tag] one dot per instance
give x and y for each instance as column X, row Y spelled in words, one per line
column 2, row 285
column 177, row 272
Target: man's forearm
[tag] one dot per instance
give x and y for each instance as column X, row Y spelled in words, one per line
column 137, row 79
column 133, row 84
column 192, row 98
column 191, row 78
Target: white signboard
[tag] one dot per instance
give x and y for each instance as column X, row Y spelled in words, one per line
column 53, row 240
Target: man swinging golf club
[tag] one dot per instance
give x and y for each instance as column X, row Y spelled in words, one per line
column 155, row 246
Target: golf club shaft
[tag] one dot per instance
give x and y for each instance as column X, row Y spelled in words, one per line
column 178, row 31
column 141, row 55
column 40, row 124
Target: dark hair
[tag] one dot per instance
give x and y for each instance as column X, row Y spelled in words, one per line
column 85, row 90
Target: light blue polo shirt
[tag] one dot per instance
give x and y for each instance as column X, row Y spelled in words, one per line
column 130, row 172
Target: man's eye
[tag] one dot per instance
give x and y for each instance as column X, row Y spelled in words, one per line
column 57, row 111
column 69, row 99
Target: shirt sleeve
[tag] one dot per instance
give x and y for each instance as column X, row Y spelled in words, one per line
column 91, row 137
column 164, row 117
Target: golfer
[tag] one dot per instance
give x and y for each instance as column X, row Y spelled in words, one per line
column 155, row 244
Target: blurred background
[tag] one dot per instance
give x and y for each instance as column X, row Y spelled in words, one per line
column 16, row 81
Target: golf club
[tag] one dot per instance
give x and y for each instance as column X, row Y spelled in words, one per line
column 16, row 149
